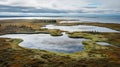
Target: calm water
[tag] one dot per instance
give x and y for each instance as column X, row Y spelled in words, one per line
column 102, row 18
column 103, row 43
column 80, row 28
column 47, row 42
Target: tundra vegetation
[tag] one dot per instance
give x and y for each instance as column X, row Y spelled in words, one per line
column 95, row 55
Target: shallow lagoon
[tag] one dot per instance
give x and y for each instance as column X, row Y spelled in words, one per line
column 47, row 42
column 80, row 28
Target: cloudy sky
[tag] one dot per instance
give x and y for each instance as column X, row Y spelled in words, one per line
column 59, row 6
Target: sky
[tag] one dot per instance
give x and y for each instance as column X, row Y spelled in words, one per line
column 59, row 6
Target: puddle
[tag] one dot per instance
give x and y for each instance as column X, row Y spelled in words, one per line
column 103, row 43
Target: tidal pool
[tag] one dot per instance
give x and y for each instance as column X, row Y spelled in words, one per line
column 80, row 28
column 48, row 42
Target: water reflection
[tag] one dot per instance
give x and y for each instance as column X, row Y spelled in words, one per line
column 47, row 42
column 103, row 43
column 80, row 28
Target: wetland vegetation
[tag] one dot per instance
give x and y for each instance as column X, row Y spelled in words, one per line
column 94, row 55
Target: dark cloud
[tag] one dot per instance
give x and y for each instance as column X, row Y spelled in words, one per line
column 4, row 8
column 90, row 7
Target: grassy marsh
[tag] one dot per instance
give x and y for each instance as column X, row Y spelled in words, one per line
column 95, row 55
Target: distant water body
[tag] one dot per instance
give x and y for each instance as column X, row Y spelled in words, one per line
column 91, row 18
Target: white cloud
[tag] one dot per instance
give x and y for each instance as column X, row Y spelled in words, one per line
column 101, row 5
column 53, row 4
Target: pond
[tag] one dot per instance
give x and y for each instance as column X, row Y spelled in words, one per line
column 48, row 42
column 103, row 43
column 80, row 28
